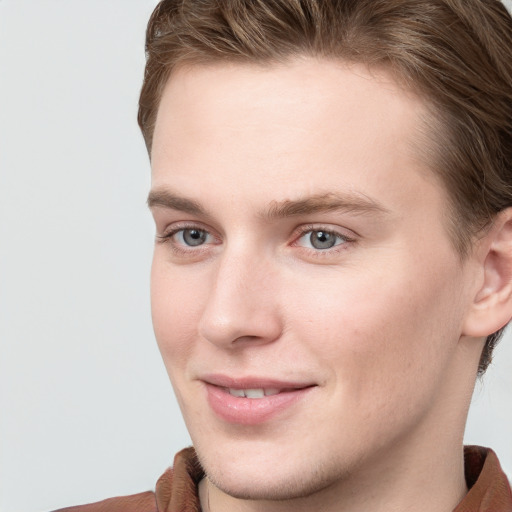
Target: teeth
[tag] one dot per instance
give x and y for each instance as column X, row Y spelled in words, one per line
column 253, row 393
column 236, row 392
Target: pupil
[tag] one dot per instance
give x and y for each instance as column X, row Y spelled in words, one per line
column 322, row 240
column 194, row 237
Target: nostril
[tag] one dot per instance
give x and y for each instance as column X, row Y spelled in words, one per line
column 235, row 332
column 247, row 339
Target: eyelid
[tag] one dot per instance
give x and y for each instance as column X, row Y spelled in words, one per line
column 308, row 228
column 170, row 231
column 347, row 240
column 347, row 236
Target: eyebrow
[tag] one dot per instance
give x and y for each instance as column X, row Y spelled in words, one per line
column 349, row 202
column 166, row 199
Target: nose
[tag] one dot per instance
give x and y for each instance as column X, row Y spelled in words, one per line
column 242, row 304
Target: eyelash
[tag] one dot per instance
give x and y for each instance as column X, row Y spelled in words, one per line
column 319, row 253
column 179, row 249
column 167, row 238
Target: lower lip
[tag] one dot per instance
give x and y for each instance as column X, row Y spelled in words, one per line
column 251, row 411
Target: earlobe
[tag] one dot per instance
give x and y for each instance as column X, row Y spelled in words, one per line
column 492, row 304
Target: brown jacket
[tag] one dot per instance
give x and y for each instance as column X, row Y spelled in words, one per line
column 176, row 489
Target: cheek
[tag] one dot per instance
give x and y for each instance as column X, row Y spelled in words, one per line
column 175, row 306
column 384, row 344
column 382, row 330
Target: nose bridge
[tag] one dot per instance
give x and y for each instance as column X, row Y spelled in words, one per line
column 242, row 300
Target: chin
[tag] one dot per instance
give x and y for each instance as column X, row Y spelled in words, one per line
column 285, row 487
column 262, row 478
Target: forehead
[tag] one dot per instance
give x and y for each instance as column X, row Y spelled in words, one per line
column 297, row 128
column 305, row 90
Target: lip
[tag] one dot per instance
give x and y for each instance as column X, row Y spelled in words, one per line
column 252, row 411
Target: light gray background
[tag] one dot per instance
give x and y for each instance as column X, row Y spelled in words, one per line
column 86, row 411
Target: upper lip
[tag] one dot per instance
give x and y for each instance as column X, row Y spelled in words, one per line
column 225, row 381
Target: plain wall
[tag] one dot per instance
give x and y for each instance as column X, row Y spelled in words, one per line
column 86, row 410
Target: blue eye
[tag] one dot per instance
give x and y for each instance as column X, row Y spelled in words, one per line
column 192, row 237
column 321, row 240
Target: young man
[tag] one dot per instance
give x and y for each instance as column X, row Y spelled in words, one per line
column 331, row 187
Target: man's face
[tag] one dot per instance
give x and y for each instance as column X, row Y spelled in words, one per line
column 304, row 256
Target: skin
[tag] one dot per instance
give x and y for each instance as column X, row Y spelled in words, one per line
column 380, row 323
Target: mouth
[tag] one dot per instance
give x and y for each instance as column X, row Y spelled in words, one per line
column 251, row 401
column 253, row 393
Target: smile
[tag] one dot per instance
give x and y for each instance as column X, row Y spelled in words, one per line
column 253, row 393
column 253, row 401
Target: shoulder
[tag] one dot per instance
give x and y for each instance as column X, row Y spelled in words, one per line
column 489, row 489
column 176, row 489
column 141, row 502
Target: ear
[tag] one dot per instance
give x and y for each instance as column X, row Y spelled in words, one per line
column 492, row 304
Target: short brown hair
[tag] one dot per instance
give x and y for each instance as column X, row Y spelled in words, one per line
column 455, row 53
